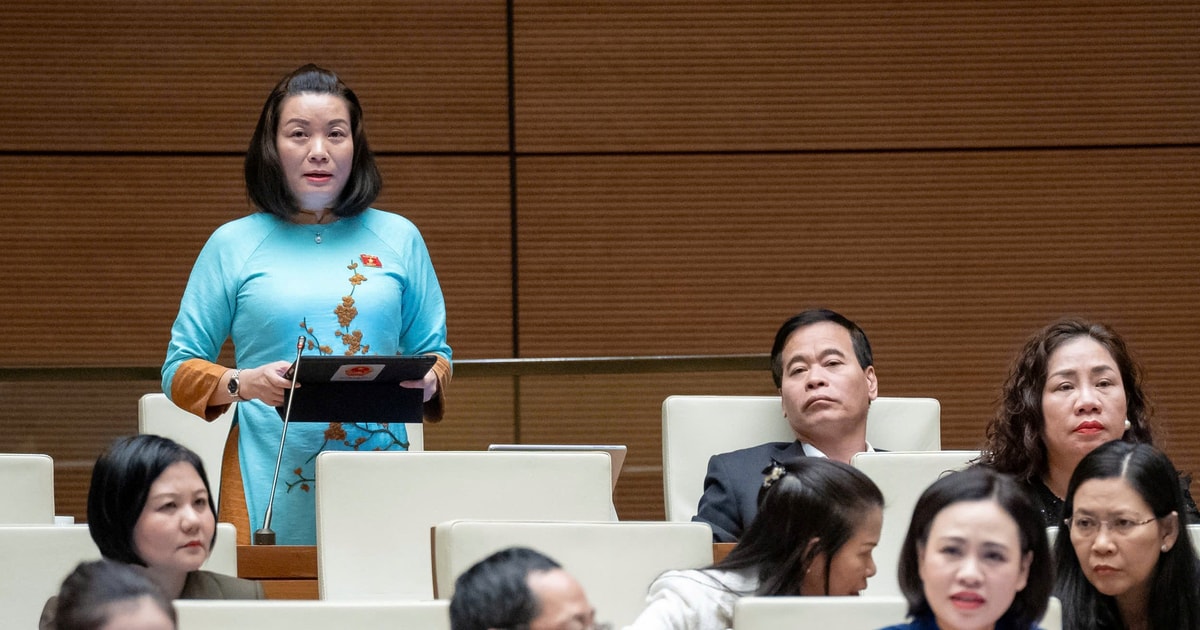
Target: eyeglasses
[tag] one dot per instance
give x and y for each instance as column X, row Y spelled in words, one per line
column 1087, row 526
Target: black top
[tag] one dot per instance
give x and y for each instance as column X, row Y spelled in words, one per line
column 1051, row 506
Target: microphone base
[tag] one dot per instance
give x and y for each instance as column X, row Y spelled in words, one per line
column 264, row 537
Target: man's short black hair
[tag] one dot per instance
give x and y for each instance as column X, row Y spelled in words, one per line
column 858, row 338
column 495, row 592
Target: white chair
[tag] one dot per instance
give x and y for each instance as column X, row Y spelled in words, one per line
column 1053, row 617
column 26, row 489
column 614, row 562
column 842, row 613
column 375, row 510
column 310, row 615
column 159, row 416
column 36, row 558
column 902, row 477
column 223, row 558
column 697, row 427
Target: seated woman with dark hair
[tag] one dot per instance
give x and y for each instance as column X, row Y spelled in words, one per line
column 107, row 595
column 1125, row 559
column 1074, row 386
column 818, row 522
column 976, row 556
column 149, row 505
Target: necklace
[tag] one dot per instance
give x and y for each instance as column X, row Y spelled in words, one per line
column 318, row 221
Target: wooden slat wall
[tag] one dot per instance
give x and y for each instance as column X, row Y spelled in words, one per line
column 672, row 178
column 708, row 75
column 179, row 76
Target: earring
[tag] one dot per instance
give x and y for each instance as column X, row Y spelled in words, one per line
column 1128, row 424
column 1164, row 549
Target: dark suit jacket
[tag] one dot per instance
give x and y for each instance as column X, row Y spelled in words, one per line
column 730, row 499
column 209, row 585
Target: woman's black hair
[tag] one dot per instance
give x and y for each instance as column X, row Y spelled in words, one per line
column 91, row 592
column 811, row 499
column 266, row 183
column 981, row 483
column 1174, row 585
column 121, row 481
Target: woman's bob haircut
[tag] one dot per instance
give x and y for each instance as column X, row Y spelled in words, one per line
column 980, row 483
column 121, row 481
column 266, row 184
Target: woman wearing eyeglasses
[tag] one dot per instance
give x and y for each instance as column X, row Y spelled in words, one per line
column 1124, row 556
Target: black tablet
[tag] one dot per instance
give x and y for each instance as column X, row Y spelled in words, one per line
column 360, row 388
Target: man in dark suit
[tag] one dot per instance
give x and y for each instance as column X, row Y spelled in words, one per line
column 822, row 365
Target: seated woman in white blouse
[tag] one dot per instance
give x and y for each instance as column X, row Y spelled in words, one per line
column 818, row 522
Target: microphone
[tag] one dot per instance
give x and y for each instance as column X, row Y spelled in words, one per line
column 265, row 535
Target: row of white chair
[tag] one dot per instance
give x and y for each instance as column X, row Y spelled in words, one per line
column 844, row 613
column 36, row 558
column 750, row 613
column 693, row 427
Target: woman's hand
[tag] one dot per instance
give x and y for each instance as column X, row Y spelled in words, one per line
column 265, row 382
column 429, row 384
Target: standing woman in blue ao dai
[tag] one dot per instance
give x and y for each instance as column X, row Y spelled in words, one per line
column 976, row 556
column 314, row 260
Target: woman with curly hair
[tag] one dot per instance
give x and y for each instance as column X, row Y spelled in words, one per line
column 1073, row 387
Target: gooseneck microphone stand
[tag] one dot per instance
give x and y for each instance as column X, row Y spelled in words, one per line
column 265, row 535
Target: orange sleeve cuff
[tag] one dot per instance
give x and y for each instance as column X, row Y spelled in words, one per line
column 193, row 386
column 436, row 407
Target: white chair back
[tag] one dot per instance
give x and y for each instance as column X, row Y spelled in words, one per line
column 310, row 615
column 902, row 477
column 36, row 558
column 1053, row 617
column 26, row 489
column 157, row 415
column 697, row 427
column 375, row 510
column 223, row 558
column 843, row 613
column 614, row 562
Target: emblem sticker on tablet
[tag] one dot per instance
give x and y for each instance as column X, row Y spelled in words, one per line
column 358, row 372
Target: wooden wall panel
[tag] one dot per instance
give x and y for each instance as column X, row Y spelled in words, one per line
column 687, row 75
column 173, row 75
column 688, row 174
column 99, row 249
column 947, row 259
column 71, row 422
